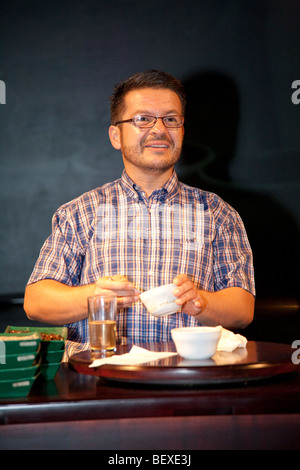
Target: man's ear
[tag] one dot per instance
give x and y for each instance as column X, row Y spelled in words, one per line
column 115, row 137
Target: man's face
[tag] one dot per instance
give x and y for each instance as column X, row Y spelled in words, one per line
column 151, row 150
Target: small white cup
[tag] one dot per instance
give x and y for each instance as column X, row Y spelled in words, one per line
column 199, row 342
column 160, row 300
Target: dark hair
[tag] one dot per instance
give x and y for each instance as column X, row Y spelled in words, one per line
column 146, row 79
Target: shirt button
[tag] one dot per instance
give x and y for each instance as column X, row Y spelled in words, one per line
column 150, row 273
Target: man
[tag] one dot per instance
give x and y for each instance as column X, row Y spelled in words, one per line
column 144, row 230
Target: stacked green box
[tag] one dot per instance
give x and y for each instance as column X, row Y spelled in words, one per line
column 52, row 351
column 20, row 361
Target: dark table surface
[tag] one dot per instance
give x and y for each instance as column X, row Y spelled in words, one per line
column 78, row 396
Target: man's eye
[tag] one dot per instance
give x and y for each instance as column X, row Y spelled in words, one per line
column 144, row 119
column 171, row 119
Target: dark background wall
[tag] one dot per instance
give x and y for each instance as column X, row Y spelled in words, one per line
column 238, row 58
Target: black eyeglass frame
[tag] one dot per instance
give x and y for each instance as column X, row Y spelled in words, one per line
column 133, row 120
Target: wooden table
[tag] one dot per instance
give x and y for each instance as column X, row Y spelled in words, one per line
column 79, row 411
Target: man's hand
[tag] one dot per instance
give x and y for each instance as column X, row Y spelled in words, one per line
column 233, row 307
column 117, row 285
column 188, row 296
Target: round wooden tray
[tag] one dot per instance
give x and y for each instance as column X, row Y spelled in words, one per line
column 257, row 361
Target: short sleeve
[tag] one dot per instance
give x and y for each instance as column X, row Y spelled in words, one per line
column 60, row 258
column 233, row 259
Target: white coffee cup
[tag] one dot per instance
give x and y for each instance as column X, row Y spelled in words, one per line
column 199, row 342
column 160, row 300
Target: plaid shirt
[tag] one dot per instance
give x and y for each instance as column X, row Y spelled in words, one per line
column 116, row 229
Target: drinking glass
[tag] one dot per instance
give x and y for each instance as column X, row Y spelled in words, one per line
column 102, row 311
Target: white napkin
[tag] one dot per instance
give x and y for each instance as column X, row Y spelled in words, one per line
column 229, row 341
column 135, row 356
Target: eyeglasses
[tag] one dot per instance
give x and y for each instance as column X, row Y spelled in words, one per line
column 144, row 121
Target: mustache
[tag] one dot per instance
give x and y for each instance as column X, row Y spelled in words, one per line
column 161, row 138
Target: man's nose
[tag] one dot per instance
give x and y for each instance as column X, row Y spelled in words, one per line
column 159, row 126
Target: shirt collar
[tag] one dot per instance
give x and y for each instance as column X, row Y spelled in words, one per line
column 170, row 188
